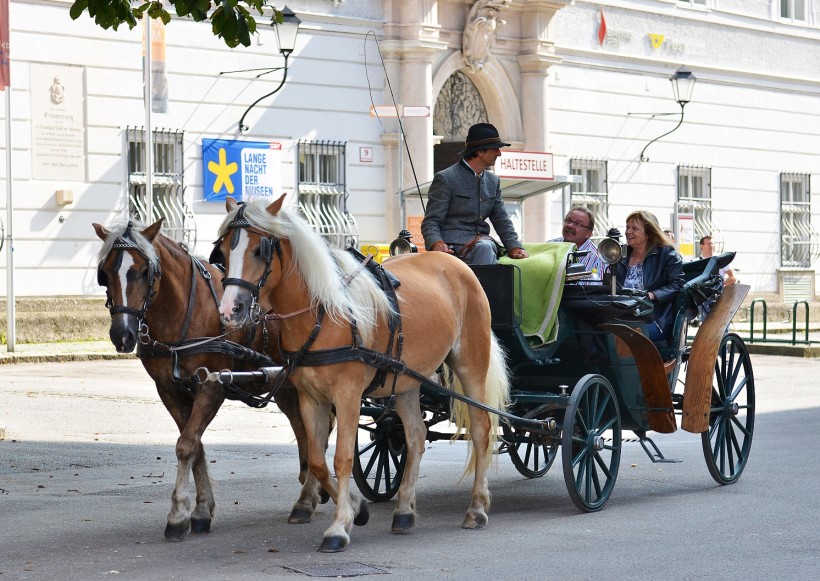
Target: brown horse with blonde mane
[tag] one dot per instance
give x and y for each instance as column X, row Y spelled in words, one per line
column 161, row 296
column 332, row 312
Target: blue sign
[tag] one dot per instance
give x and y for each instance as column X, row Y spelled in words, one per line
column 243, row 170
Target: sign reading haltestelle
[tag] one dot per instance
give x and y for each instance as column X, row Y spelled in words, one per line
column 524, row 165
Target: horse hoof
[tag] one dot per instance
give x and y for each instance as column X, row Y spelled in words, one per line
column 200, row 525
column 333, row 545
column 403, row 523
column 300, row 516
column 324, row 496
column 175, row 533
column 364, row 515
column 476, row 522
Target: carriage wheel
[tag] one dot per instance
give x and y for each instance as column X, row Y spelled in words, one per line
column 379, row 462
column 531, row 453
column 727, row 443
column 591, row 443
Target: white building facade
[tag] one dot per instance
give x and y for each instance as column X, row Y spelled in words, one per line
column 585, row 81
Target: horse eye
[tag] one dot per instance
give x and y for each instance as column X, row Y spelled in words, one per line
column 135, row 275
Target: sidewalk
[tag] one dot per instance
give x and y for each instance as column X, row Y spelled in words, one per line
column 61, row 351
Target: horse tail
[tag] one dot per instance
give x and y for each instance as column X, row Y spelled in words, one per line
column 496, row 395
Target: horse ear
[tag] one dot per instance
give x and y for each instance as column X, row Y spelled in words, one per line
column 276, row 206
column 151, row 232
column 230, row 204
column 102, row 231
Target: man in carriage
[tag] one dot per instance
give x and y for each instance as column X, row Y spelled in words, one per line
column 462, row 198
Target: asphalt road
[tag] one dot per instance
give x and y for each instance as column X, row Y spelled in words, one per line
column 87, row 468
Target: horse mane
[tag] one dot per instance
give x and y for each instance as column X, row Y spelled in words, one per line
column 134, row 235
column 323, row 269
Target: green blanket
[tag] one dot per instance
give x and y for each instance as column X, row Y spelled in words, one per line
column 541, row 287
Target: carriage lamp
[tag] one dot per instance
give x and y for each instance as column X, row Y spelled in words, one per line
column 683, row 83
column 286, row 32
column 403, row 244
column 611, row 251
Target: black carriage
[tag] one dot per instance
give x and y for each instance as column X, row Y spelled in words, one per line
column 600, row 376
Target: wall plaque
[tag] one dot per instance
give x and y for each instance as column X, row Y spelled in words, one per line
column 57, row 123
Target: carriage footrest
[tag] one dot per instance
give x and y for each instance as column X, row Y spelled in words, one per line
column 655, row 454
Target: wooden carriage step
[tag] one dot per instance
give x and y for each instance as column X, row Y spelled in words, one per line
column 653, row 372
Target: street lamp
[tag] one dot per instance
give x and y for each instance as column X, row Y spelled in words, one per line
column 286, row 32
column 683, row 83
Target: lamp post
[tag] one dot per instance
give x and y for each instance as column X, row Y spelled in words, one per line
column 683, row 83
column 286, row 32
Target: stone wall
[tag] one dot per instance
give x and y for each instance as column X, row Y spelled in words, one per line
column 52, row 319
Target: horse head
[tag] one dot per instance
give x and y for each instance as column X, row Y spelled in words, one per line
column 130, row 272
column 247, row 252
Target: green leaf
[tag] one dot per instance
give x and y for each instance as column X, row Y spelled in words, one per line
column 77, row 9
column 242, row 32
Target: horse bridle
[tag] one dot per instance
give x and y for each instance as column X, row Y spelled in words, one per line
column 121, row 244
column 267, row 245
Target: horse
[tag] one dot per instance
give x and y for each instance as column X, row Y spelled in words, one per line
column 337, row 324
column 160, row 295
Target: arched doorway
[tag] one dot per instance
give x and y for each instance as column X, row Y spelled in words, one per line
column 458, row 106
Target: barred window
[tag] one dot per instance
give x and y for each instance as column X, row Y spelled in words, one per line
column 593, row 191
column 695, row 197
column 322, row 191
column 168, row 199
column 795, row 220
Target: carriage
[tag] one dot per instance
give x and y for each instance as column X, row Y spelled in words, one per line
column 354, row 340
column 599, row 377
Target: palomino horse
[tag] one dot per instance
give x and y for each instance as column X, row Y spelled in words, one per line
column 161, row 295
column 334, row 316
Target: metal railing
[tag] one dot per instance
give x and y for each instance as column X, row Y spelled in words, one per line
column 806, row 340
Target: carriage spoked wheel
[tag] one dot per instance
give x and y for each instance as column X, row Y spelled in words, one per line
column 727, row 442
column 531, row 453
column 591, row 443
column 379, row 462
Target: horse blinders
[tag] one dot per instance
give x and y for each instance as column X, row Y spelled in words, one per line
column 152, row 275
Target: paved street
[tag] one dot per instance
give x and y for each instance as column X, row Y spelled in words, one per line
column 87, row 467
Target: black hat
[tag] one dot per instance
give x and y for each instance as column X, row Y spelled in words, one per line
column 482, row 136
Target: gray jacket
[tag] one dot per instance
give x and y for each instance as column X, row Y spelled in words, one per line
column 458, row 205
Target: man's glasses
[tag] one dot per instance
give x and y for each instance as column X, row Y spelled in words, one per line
column 575, row 223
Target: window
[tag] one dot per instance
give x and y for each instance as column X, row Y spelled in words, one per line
column 795, row 220
column 703, row 3
column 323, row 191
column 793, row 10
column 592, row 193
column 168, row 200
column 695, row 197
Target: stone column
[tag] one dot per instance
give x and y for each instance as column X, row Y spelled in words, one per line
column 413, row 86
column 536, row 57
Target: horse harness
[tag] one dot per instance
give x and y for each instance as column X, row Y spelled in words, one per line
column 268, row 243
column 149, row 348
column 121, row 244
column 384, row 362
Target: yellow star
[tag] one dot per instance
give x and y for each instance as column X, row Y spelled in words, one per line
column 223, row 171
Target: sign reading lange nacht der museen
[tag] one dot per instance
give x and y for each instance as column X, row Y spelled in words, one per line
column 243, row 170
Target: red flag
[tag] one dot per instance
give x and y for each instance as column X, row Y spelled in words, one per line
column 5, row 80
column 602, row 29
